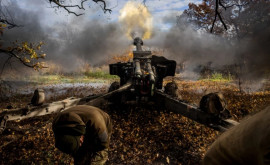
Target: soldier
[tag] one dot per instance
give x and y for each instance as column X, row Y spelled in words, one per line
column 246, row 143
column 83, row 132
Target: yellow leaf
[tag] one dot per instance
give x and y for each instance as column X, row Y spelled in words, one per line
column 168, row 160
column 26, row 60
column 25, row 44
column 33, row 55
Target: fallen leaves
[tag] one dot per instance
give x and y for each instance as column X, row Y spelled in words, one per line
column 140, row 135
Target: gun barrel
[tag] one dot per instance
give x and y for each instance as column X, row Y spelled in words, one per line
column 138, row 72
column 150, row 71
column 138, row 43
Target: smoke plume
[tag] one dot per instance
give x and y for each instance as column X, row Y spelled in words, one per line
column 184, row 44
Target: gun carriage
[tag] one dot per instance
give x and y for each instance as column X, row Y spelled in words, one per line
column 141, row 80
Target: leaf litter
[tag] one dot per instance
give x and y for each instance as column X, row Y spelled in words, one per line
column 142, row 135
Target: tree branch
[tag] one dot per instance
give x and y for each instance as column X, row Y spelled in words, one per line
column 12, row 54
column 217, row 13
column 7, row 61
column 10, row 25
column 104, row 8
column 144, row 2
column 238, row 5
column 66, row 7
column 60, row 4
column 222, row 5
column 223, row 23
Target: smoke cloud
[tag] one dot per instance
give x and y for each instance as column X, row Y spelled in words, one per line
column 187, row 45
column 256, row 52
column 196, row 48
column 69, row 42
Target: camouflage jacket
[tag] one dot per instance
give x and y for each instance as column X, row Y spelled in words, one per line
column 246, row 143
column 98, row 127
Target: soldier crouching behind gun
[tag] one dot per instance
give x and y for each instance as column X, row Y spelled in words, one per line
column 83, row 132
column 246, row 143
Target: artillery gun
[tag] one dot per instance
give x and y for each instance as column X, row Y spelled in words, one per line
column 144, row 74
column 140, row 82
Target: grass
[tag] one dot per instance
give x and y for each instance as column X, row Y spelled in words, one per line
column 100, row 74
column 219, row 77
column 87, row 77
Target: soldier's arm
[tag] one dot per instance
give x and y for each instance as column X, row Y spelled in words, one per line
column 98, row 136
column 102, row 140
column 246, row 143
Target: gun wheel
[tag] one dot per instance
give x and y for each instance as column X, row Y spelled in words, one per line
column 117, row 98
column 215, row 103
column 171, row 89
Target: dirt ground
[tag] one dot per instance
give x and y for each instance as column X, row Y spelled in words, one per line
column 141, row 135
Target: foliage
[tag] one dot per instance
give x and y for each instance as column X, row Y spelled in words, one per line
column 240, row 17
column 99, row 74
column 88, row 77
column 201, row 15
column 216, row 76
column 27, row 53
column 2, row 27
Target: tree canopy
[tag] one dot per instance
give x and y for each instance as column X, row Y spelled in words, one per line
column 239, row 18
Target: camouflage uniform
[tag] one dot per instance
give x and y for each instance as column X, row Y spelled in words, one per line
column 93, row 123
column 246, row 143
